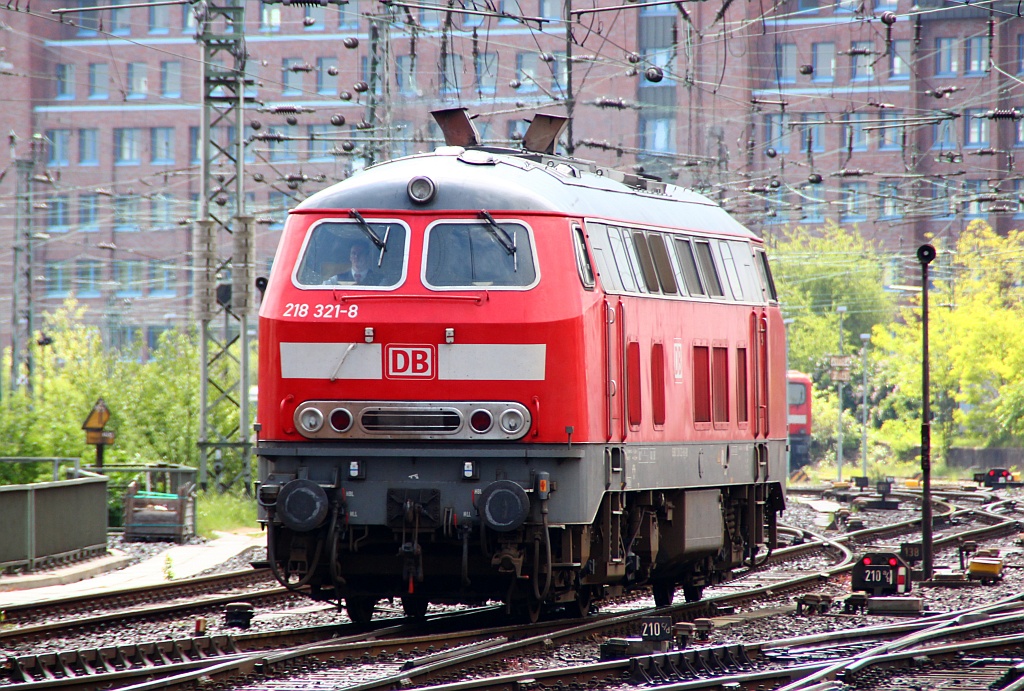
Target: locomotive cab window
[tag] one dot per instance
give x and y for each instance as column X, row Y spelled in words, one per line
column 479, row 254
column 586, row 271
column 359, row 254
column 767, row 281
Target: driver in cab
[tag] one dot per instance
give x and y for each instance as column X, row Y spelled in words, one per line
column 360, row 268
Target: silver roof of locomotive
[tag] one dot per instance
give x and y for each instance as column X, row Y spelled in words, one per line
column 507, row 180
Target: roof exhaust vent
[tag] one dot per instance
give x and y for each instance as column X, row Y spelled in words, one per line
column 457, row 127
column 543, row 132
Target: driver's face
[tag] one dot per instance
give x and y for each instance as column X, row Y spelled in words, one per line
column 358, row 257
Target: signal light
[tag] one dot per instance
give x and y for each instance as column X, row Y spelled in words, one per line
column 866, row 561
column 892, row 561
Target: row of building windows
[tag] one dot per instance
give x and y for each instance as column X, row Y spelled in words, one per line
column 857, row 202
column 806, row 132
column 87, row 278
column 952, row 57
column 534, row 71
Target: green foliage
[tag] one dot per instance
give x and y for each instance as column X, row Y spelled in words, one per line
column 154, row 405
column 225, row 512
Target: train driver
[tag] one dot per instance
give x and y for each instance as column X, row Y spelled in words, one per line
column 361, row 271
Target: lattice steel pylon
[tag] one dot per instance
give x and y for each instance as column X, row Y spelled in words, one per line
column 223, row 251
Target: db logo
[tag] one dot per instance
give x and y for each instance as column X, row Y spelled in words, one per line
column 410, row 361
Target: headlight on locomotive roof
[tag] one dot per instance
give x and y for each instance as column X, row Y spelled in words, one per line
column 421, row 189
column 311, row 420
column 512, row 421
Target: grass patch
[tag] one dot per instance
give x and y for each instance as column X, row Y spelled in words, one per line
column 226, row 512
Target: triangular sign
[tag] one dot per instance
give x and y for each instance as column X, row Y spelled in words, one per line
column 98, row 417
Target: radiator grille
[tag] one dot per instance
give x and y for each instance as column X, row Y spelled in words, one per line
column 412, row 421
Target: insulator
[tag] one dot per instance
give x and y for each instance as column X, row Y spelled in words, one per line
column 631, row 72
column 333, row 71
column 351, row 42
column 256, row 124
column 633, row 58
column 304, row 67
column 888, row 18
column 850, row 173
column 347, row 146
column 547, row 57
column 345, row 95
column 360, row 87
column 1004, row 114
column 292, row 120
column 775, row 184
column 258, row 177
column 806, row 69
column 654, row 74
column 515, row 84
column 338, row 120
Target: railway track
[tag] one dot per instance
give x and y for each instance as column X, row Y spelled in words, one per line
column 232, row 659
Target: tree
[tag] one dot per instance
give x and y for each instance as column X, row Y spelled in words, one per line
column 154, row 405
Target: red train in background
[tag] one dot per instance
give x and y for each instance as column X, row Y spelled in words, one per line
column 799, row 401
column 504, row 374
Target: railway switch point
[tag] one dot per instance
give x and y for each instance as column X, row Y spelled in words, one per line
column 855, row 603
column 703, row 628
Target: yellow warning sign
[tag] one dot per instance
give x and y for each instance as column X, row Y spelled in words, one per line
column 98, row 417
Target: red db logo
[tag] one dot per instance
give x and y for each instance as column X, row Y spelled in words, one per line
column 410, row 361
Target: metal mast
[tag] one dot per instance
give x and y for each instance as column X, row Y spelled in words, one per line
column 223, row 253
column 22, row 307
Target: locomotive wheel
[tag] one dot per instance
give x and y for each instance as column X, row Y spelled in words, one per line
column 663, row 592
column 360, row 608
column 584, row 596
column 414, row 606
column 693, row 593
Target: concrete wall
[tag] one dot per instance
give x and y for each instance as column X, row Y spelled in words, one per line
column 985, row 458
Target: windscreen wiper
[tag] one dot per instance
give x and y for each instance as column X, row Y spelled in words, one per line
column 378, row 243
column 502, row 236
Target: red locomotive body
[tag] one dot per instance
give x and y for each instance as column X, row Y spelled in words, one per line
column 495, row 374
column 799, row 401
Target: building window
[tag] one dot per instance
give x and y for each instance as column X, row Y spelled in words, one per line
column 976, row 127
column 890, row 131
column 65, row 81
column 899, row 60
column 120, row 19
column 88, row 22
column 862, row 65
column 855, row 137
column 657, row 134
column 170, row 79
column 1020, row 53
column 270, row 17
column 812, row 133
column 486, row 66
column 88, row 276
column 785, row 63
column 162, row 212
column 291, row 77
column 283, row 150
column 127, row 145
column 847, row 5
column 854, row 201
column 823, row 60
column 348, row 15
column 195, row 155
column 944, row 134
column 159, row 19
column 314, row 20
column 321, row 144
column 405, row 75
column 945, row 57
column 58, row 282
column 1018, row 133
column 59, row 144
column 126, row 213
column 58, row 215
column 777, row 208
column 327, row 76
column 776, row 132
column 278, row 205
column 163, row 278
column 162, row 145
column 88, row 147
column 813, row 205
column 973, row 190
column 99, row 80
column 551, row 9
column 888, row 200
column 808, row 6
column 128, row 276
column 88, row 212
column 977, row 55
column 138, row 83
column 526, row 71
column 451, row 76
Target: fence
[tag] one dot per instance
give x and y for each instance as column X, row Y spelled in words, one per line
column 48, row 522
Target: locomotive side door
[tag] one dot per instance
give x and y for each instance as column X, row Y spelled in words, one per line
column 759, row 339
column 614, row 321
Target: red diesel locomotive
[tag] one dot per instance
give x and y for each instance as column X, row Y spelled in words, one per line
column 504, row 374
column 799, row 400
